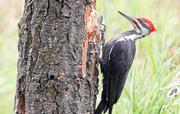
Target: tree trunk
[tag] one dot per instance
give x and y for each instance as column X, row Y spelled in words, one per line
column 59, row 46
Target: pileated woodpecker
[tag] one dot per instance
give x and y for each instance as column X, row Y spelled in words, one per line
column 117, row 57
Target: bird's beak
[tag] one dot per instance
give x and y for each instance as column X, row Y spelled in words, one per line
column 131, row 19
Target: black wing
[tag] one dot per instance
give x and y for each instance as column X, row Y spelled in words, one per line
column 115, row 64
column 120, row 61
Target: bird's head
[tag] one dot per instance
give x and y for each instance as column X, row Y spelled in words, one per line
column 142, row 26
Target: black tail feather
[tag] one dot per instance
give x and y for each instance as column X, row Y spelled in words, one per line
column 102, row 105
column 110, row 109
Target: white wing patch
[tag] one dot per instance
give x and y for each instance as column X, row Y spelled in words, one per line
column 132, row 37
column 119, row 40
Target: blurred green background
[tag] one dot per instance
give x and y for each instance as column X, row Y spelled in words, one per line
column 153, row 85
column 10, row 13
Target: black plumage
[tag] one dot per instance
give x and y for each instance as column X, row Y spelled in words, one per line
column 115, row 68
column 117, row 58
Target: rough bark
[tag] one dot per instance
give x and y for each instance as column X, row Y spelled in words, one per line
column 59, row 46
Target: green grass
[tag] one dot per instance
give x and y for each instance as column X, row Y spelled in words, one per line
column 155, row 71
column 156, row 65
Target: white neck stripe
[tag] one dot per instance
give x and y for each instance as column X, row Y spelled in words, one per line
column 132, row 37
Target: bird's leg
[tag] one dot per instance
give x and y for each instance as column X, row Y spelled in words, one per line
column 100, row 60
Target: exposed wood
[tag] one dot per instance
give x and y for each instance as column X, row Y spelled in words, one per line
column 93, row 32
